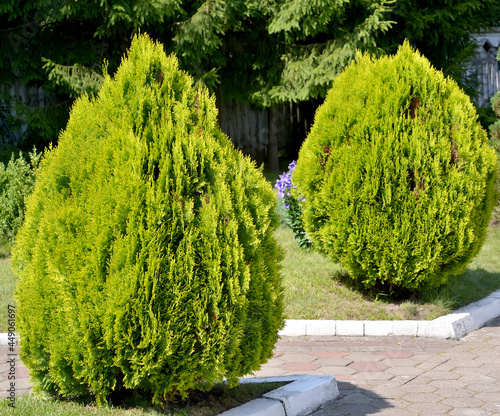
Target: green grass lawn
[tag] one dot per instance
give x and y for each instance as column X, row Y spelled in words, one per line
column 211, row 403
column 8, row 281
column 316, row 289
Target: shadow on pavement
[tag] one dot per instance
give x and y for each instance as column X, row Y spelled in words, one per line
column 494, row 323
column 353, row 401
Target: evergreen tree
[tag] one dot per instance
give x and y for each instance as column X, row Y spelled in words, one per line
column 397, row 174
column 262, row 53
column 147, row 260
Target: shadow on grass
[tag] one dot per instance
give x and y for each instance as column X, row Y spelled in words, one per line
column 471, row 286
column 212, row 402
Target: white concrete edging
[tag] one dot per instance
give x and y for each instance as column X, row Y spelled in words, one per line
column 303, row 395
column 453, row 326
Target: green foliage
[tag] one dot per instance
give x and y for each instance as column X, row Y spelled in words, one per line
column 250, row 47
column 17, row 180
column 61, row 45
column 76, row 79
column 262, row 53
column 397, row 174
column 495, row 142
column 147, row 260
column 442, row 31
column 309, row 69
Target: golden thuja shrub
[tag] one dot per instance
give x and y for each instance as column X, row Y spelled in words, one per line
column 147, row 259
column 397, row 174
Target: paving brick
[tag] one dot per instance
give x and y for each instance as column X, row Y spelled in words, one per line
column 492, row 407
column 395, row 354
column 442, row 375
column 334, row 362
column 463, row 402
column 480, row 387
column 268, row 372
column 398, row 362
column 387, row 392
column 452, row 384
column 345, row 379
column 429, row 407
column 275, row 362
column 364, row 356
column 478, row 378
column 368, row 366
column 328, row 354
column 488, row 397
column 418, row 388
column 397, row 412
column 356, row 398
column 404, row 371
column 337, row 371
column 293, row 358
column 422, row 398
column 374, row 375
column 448, row 392
column 353, row 409
column 469, row 412
column 296, row 366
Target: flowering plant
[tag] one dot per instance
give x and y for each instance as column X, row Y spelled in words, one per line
column 293, row 206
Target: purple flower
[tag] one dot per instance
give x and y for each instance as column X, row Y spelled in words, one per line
column 284, row 183
column 286, row 180
column 287, row 206
column 301, row 199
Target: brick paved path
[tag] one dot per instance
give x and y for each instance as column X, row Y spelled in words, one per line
column 400, row 376
column 383, row 376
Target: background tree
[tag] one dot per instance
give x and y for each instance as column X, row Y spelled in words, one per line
column 442, row 31
column 261, row 53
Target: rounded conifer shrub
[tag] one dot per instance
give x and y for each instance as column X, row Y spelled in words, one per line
column 397, row 174
column 147, row 259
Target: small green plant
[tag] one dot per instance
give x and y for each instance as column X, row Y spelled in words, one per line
column 293, row 207
column 17, row 180
column 397, row 174
column 147, row 260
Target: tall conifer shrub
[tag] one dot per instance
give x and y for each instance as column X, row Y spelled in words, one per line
column 397, row 174
column 147, row 259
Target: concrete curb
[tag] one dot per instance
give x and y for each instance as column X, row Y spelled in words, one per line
column 453, row 326
column 303, row 395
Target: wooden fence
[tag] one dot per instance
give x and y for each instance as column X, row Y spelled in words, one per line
column 18, row 93
column 267, row 135
column 486, row 65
